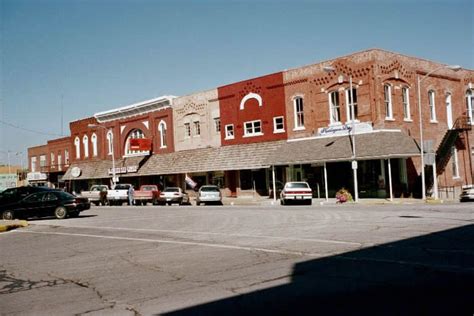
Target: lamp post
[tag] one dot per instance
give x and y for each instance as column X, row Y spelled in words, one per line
column 351, row 107
column 113, row 155
column 419, row 81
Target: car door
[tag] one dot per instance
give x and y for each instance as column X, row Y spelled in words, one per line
column 31, row 205
column 50, row 202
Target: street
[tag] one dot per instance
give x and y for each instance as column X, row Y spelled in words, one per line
column 332, row 259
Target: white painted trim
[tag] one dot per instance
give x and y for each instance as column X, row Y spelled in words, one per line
column 122, row 127
column 147, row 124
column 249, row 96
column 331, row 136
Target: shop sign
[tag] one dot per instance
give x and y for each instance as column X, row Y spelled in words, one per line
column 7, row 181
column 36, row 176
column 140, row 144
column 121, row 170
column 76, row 172
column 345, row 129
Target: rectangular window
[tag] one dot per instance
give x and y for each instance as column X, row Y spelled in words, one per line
column 33, row 164
column 51, row 163
column 299, row 113
column 187, row 130
column 66, row 157
column 60, row 161
column 470, row 105
column 197, row 128
column 217, row 124
column 454, row 159
column 334, row 110
column 351, row 104
column 278, row 124
column 253, row 128
column 229, row 131
column 406, row 103
column 388, row 102
column 431, row 103
column 42, row 161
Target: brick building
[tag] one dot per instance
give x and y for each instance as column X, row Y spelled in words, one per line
column 300, row 124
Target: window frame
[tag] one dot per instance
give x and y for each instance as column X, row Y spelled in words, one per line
column 94, row 145
column 187, row 130
column 334, row 107
column 432, row 105
column 229, row 128
column 110, row 142
column 217, row 124
column 197, row 128
column 387, row 92
column 253, row 126
column 77, row 144
column 455, row 162
column 162, row 128
column 470, row 105
column 406, row 104
column 298, row 113
column 85, row 143
column 348, row 105
column 278, row 130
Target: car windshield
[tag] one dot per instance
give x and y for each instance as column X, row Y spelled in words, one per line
column 209, row 189
column 171, row 190
column 149, row 188
column 297, row 185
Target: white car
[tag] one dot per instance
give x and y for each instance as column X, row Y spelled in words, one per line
column 172, row 195
column 467, row 193
column 209, row 194
column 296, row 192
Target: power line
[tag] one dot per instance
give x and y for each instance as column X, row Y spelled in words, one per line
column 30, row 130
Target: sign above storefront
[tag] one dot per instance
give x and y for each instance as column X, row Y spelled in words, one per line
column 141, row 144
column 121, row 170
column 76, row 172
column 36, row 176
column 345, row 129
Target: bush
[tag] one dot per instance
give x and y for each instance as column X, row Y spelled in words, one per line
column 343, row 196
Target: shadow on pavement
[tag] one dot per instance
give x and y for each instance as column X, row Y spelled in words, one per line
column 427, row 275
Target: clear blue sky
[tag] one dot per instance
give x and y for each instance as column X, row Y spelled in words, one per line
column 90, row 56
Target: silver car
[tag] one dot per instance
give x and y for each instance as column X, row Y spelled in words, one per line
column 209, row 194
column 172, row 195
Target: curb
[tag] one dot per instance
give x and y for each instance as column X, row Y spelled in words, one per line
column 9, row 225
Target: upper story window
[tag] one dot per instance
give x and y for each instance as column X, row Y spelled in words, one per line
column 197, row 128
column 334, row 110
column 253, row 128
column 110, row 142
column 162, row 130
column 351, row 104
column 299, row 112
column 406, row 104
column 432, row 106
column 455, row 162
column 77, row 144
column 187, row 130
column 217, row 124
column 278, row 124
column 85, row 142
column 94, row 144
column 52, row 161
column 387, row 89
column 60, row 161
column 229, row 131
column 134, row 134
column 66, row 157
column 470, row 105
column 42, row 160
column 33, row 164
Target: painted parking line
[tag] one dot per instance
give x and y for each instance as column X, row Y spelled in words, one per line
column 313, row 240
column 186, row 243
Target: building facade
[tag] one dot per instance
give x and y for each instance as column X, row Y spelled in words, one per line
column 316, row 123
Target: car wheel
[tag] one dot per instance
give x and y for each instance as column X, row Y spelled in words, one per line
column 60, row 212
column 8, row 215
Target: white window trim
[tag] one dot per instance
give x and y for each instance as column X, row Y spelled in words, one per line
column 161, row 127
column 253, row 134
column 233, row 131
column 330, row 104
column 432, row 114
column 110, row 142
column 66, row 157
column 455, row 162
column 33, row 164
column 186, row 134
column 407, row 118
column 217, row 119
column 295, row 113
column 470, row 105
column 388, row 117
column 77, row 144
column 195, row 129
column 94, row 145
column 348, row 108
column 85, row 142
column 60, row 161
column 275, row 130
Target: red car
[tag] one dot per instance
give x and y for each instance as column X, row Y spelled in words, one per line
column 148, row 193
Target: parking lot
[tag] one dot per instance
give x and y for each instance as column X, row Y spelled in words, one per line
column 361, row 259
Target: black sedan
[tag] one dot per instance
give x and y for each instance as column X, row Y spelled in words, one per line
column 46, row 203
column 16, row 194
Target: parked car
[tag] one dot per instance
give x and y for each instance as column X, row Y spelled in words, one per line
column 120, row 194
column 279, row 186
column 172, row 195
column 15, row 194
column 97, row 194
column 45, row 203
column 148, row 193
column 209, row 194
column 296, row 192
column 467, row 193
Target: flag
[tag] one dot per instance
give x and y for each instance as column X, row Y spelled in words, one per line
column 190, row 182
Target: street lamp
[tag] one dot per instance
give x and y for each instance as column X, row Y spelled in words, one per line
column 423, row 183
column 113, row 155
column 351, row 106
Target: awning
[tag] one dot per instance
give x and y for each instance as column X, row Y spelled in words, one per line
column 374, row 145
column 236, row 157
column 99, row 169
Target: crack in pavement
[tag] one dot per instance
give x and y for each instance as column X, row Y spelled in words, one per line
column 12, row 284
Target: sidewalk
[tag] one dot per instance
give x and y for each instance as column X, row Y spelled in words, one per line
column 9, row 225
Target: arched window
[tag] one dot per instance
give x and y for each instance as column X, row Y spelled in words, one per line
column 85, row 142
column 470, row 105
column 94, row 145
column 77, row 144
column 110, row 142
column 162, row 130
column 431, row 104
column 134, row 134
column 387, row 90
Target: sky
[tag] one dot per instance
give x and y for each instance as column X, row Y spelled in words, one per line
column 64, row 60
